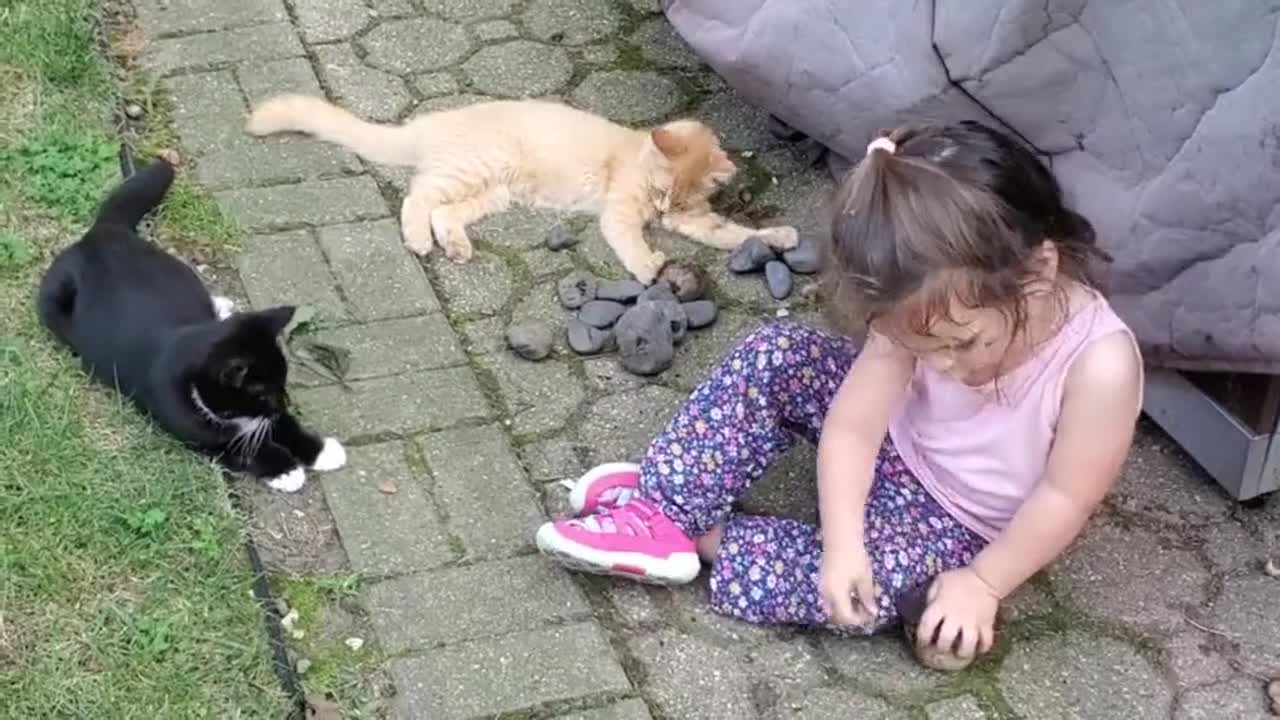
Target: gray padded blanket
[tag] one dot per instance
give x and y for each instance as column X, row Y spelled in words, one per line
column 1161, row 118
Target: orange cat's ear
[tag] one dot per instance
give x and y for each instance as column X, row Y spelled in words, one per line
column 668, row 141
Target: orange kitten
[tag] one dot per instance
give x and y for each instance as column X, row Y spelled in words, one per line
column 480, row 159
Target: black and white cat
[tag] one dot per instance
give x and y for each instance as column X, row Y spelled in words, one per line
column 143, row 322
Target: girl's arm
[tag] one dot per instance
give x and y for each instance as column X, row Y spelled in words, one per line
column 852, row 434
column 1095, row 429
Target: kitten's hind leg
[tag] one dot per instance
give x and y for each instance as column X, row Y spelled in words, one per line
column 449, row 222
column 415, row 214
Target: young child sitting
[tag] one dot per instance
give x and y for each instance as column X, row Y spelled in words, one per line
column 960, row 450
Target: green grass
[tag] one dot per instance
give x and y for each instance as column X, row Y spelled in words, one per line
column 124, row 589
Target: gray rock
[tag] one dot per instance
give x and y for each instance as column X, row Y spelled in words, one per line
column 601, row 313
column 777, row 278
column 576, row 289
column 658, row 292
column 530, row 340
column 751, row 256
column 571, row 22
column 619, row 290
column 701, row 313
column 674, row 312
column 645, row 344
column 559, row 238
column 804, row 258
column 587, row 340
column 628, row 96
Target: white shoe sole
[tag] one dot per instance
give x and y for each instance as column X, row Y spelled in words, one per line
column 578, row 495
column 677, row 569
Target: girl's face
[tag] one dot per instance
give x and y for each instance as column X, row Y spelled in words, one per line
column 974, row 345
column 971, row 346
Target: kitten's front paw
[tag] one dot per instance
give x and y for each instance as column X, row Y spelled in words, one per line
column 783, row 237
column 291, row 481
column 223, row 307
column 453, row 238
column 417, row 233
column 647, row 270
column 332, row 456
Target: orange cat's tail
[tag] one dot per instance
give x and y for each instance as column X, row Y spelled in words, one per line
column 383, row 144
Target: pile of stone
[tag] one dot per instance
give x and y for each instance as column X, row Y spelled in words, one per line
column 642, row 324
column 754, row 256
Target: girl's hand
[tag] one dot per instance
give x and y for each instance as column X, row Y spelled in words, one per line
column 848, row 591
column 961, row 604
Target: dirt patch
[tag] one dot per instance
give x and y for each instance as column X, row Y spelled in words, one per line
column 294, row 532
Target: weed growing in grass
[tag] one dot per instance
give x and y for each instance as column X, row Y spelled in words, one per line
column 64, row 169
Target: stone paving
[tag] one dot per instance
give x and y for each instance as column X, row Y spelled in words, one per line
column 1160, row 612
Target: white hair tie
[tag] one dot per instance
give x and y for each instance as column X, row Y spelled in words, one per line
column 882, row 143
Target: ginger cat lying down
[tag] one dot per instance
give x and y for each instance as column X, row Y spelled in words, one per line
column 480, row 159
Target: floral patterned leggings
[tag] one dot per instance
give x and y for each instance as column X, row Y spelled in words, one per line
column 778, row 383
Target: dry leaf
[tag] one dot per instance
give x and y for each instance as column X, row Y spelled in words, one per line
column 322, row 707
column 388, row 487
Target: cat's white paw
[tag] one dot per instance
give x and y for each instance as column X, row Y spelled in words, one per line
column 223, row 307
column 332, row 456
column 783, row 237
column 291, row 481
column 647, row 270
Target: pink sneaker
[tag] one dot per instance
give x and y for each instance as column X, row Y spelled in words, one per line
column 604, row 486
column 633, row 540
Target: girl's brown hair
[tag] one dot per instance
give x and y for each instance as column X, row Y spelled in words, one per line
column 954, row 212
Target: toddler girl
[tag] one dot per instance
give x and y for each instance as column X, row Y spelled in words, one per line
column 960, row 449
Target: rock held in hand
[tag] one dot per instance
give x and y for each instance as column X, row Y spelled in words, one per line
column 623, row 291
column 701, row 313
column 804, row 258
column 576, row 289
column 559, row 238
column 778, row 279
column 586, row 340
column 751, row 256
column 601, row 313
column 530, row 340
column 686, row 281
column 645, row 345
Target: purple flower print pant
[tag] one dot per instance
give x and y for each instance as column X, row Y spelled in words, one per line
column 777, row 384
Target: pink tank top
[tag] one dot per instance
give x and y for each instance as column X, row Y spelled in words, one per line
column 980, row 453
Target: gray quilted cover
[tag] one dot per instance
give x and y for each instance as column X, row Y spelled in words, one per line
column 1162, row 120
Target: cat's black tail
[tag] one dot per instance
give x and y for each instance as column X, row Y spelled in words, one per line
column 136, row 196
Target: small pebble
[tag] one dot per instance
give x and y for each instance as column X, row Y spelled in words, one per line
column 622, row 291
column 803, row 258
column 586, row 340
column 686, row 281
column 354, row 643
column 601, row 313
column 778, row 279
column 302, row 666
column 658, row 291
column 530, row 340
column 133, row 111
column 751, row 256
column 701, row 313
column 782, row 131
column 645, row 345
column 559, row 238
column 575, row 289
column 1272, row 568
column 674, row 312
